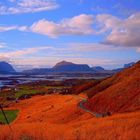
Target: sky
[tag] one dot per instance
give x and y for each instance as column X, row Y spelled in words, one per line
column 40, row 33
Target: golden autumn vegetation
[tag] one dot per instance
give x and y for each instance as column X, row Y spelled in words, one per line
column 120, row 93
column 59, row 117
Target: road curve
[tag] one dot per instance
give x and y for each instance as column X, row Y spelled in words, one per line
column 81, row 105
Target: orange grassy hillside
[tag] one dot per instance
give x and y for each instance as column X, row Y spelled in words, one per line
column 80, row 88
column 119, row 93
column 58, row 117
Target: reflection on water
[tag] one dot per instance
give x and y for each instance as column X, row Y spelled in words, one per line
column 11, row 80
column 1, row 84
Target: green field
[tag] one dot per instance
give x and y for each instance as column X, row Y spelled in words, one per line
column 25, row 91
column 32, row 91
column 28, row 90
column 10, row 114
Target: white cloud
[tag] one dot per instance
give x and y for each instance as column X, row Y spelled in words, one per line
column 23, row 52
column 118, row 32
column 93, row 47
column 3, row 45
column 106, row 22
column 9, row 28
column 28, row 6
column 123, row 32
column 78, row 25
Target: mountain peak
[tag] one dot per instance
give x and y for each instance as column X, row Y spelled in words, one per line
column 65, row 66
column 62, row 63
column 6, row 67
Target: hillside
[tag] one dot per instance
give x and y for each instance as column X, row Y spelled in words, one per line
column 58, row 117
column 84, row 87
column 6, row 68
column 119, row 93
column 61, row 117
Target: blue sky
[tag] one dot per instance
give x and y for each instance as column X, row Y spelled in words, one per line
column 40, row 33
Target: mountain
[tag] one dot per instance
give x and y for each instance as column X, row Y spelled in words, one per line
column 62, row 63
column 6, row 68
column 65, row 66
column 37, row 71
column 98, row 68
column 117, row 70
column 62, row 66
column 124, row 67
column 68, row 67
column 119, row 93
column 129, row 65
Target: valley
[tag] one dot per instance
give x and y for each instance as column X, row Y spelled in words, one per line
column 78, row 112
column 69, row 69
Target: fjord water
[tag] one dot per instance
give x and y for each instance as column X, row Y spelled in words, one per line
column 12, row 80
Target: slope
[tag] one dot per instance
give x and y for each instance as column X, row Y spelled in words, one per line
column 120, row 93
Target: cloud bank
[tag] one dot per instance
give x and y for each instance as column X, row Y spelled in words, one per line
column 123, row 32
column 23, row 52
column 118, row 32
column 78, row 25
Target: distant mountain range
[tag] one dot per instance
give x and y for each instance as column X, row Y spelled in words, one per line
column 67, row 67
column 124, row 67
column 6, row 68
column 62, row 67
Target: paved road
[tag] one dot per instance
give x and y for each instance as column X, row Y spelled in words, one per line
column 81, row 105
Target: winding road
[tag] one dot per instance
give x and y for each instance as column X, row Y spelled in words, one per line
column 81, row 105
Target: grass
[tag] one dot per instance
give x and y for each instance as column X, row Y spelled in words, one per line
column 28, row 90
column 32, row 91
column 56, row 87
column 10, row 114
column 25, row 91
